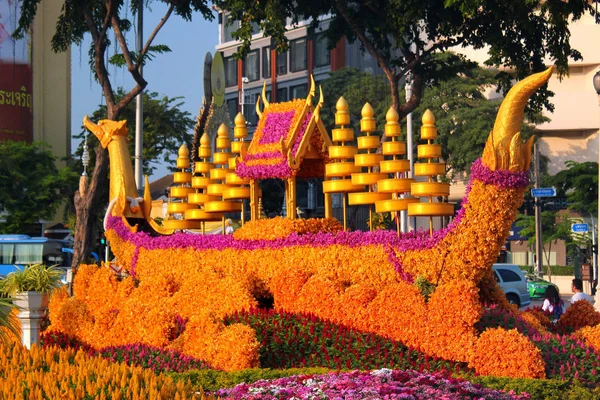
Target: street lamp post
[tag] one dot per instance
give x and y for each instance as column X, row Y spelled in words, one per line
column 597, row 88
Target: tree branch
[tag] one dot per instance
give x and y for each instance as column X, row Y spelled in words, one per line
column 155, row 32
column 117, row 108
column 122, row 43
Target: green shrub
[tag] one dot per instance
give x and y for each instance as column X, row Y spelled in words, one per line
column 210, row 379
column 425, row 287
column 35, row 277
column 540, row 389
column 562, row 270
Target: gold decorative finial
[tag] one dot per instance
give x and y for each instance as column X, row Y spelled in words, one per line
column 257, row 107
column 428, row 118
column 240, row 130
column 501, row 151
column 319, row 104
column 367, row 111
column 264, row 95
column 392, row 126
column 341, row 105
column 183, row 151
column 367, row 122
column 311, row 92
column 205, row 140
column 223, row 131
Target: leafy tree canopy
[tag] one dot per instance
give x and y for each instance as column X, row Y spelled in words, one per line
column 404, row 35
column 579, row 183
column 31, row 186
column 166, row 128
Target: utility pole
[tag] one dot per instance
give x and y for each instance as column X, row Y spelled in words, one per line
column 409, row 223
column 139, row 106
column 538, row 215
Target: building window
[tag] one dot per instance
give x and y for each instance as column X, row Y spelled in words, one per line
column 231, row 74
column 282, row 95
column 252, row 66
column 266, row 62
column 282, row 63
column 255, row 27
column 232, row 107
column 322, row 53
column 299, row 91
column 229, row 29
column 298, row 55
column 250, row 109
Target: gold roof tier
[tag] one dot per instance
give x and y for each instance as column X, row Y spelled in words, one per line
column 232, row 179
column 179, row 224
column 430, row 169
column 426, row 189
column 429, row 151
column 340, row 169
column 222, row 206
column 342, row 152
column 201, row 198
column 201, row 215
column 394, row 205
column 366, row 198
column 201, row 182
column 394, row 185
column 367, row 178
column 178, row 208
column 203, row 167
column 393, row 166
column 181, row 192
column 368, row 160
column 394, row 148
column 341, row 186
column 431, row 209
column 182, row 177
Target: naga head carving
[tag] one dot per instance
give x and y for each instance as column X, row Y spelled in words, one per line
column 106, row 129
column 504, row 149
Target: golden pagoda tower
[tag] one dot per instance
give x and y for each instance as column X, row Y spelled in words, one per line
column 430, row 169
column 177, row 204
column 395, row 166
column 200, row 182
column 238, row 188
column 219, row 175
column 341, row 168
column 367, row 160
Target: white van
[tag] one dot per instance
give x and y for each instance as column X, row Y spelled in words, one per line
column 512, row 281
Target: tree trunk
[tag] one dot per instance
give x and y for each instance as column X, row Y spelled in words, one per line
column 86, row 208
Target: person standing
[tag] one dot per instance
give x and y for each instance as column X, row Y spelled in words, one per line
column 228, row 227
column 577, row 288
column 553, row 303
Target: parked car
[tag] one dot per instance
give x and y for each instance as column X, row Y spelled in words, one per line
column 537, row 286
column 512, row 281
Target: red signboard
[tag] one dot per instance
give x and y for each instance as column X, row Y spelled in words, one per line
column 16, row 103
column 16, row 78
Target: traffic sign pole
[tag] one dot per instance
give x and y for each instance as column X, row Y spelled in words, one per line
column 538, row 216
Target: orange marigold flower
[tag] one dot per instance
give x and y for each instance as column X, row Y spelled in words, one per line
column 501, row 352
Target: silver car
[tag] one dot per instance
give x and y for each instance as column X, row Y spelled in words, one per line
column 512, row 281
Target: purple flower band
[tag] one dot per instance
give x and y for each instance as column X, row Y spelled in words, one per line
column 500, row 178
column 276, row 127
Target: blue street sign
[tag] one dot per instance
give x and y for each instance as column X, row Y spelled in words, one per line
column 580, row 228
column 543, row 192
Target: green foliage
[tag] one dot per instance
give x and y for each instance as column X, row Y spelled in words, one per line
column 380, row 220
column 33, row 278
column 166, row 127
column 539, row 389
column 119, row 59
column 425, row 287
column 579, row 182
column 563, row 270
column 31, row 186
column 9, row 324
column 210, row 379
column 404, row 35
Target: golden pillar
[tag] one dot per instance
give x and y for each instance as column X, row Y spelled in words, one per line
column 369, row 143
column 338, row 172
column 432, row 188
column 394, row 166
column 177, row 204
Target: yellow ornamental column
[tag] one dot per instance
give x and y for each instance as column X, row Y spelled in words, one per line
column 430, row 169
column 177, row 204
column 396, row 186
column 239, row 189
column 366, row 161
column 338, row 172
column 219, row 175
column 200, row 182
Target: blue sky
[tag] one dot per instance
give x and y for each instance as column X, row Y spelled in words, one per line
column 174, row 74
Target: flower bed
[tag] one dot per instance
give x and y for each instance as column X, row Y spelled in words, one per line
column 53, row 373
column 378, row 384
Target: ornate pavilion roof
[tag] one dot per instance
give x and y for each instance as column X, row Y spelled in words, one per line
column 290, row 140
